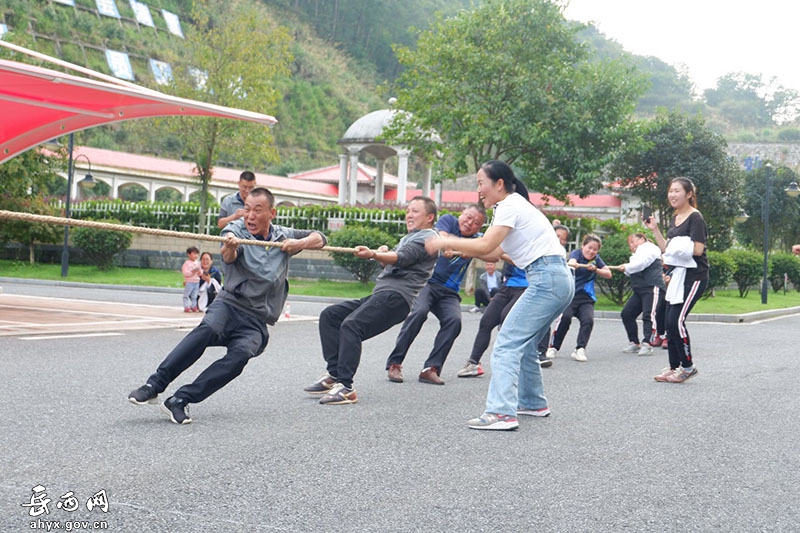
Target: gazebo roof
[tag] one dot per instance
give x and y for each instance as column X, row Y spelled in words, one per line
column 367, row 129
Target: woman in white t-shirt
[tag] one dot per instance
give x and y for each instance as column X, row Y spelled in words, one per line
column 527, row 237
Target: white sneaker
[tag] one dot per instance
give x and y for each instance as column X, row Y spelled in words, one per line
column 579, row 355
column 551, row 353
column 646, row 349
column 632, row 348
column 471, row 370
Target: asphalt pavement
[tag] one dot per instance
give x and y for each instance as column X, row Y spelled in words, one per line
column 620, row 451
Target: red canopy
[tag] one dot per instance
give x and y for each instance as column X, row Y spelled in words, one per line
column 38, row 104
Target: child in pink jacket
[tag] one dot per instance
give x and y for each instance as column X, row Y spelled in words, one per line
column 191, row 280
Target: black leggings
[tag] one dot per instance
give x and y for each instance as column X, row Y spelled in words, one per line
column 493, row 316
column 680, row 349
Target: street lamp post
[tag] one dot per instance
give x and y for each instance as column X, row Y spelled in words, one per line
column 764, row 281
column 87, row 182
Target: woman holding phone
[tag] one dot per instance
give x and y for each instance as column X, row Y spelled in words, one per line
column 685, row 250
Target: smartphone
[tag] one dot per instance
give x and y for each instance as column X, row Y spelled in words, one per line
column 646, row 212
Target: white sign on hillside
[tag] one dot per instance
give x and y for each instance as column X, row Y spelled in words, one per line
column 142, row 13
column 162, row 71
column 120, row 65
column 108, row 8
column 173, row 23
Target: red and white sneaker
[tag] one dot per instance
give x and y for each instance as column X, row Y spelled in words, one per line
column 665, row 373
column 494, row 421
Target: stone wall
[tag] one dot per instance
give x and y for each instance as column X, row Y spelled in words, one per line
column 782, row 154
column 169, row 253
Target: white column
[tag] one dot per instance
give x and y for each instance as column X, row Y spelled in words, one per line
column 342, row 179
column 426, row 185
column 402, row 176
column 437, row 189
column 353, row 178
column 152, row 192
column 379, row 189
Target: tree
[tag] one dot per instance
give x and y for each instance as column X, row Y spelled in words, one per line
column 675, row 145
column 509, row 80
column 784, row 211
column 234, row 56
column 747, row 100
column 24, row 183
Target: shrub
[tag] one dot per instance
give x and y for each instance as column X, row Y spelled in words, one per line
column 720, row 275
column 615, row 251
column 350, row 237
column 780, row 264
column 747, row 270
column 101, row 245
column 789, row 135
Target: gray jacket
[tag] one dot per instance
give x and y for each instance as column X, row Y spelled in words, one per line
column 413, row 268
column 256, row 281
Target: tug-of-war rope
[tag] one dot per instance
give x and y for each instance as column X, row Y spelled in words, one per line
column 61, row 221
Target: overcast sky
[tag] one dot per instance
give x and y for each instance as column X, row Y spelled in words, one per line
column 710, row 37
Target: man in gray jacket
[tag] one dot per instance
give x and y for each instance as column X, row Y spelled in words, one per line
column 253, row 296
column 344, row 326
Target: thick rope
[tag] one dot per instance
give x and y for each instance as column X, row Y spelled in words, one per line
column 61, row 221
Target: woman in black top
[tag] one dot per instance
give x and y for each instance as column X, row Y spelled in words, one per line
column 687, row 222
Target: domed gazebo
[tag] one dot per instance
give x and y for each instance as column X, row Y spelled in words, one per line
column 361, row 137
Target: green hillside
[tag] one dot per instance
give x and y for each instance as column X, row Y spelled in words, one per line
column 343, row 60
column 326, row 92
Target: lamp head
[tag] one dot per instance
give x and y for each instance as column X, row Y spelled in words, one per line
column 87, row 182
column 742, row 216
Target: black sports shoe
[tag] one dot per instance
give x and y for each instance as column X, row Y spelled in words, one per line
column 144, row 395
column 177, row 410
column 545, row 363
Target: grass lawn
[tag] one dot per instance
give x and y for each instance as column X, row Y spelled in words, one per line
column 148, row 277
column 729, row 303
column 725, row 302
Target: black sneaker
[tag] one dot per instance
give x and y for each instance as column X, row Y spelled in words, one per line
column 144, row 395
column 177, row 410
column 545, row 363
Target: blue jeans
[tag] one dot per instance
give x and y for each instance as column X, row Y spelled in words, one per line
column 516, row 374
column 190, row 293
